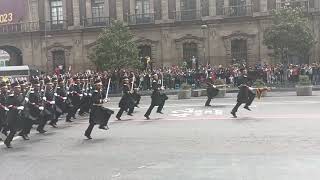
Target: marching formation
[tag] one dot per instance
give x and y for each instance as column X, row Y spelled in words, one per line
column 42, row 101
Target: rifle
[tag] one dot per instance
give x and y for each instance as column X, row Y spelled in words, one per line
column 108, row 89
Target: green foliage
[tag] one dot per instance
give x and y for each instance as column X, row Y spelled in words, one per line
column 115, row 49
column 289, row 34
column 259, row 83
column 304, row 80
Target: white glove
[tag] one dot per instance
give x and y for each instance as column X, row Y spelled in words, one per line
column 55, row 94
column 52, row 102
column 20, row 108
column 64, row 98
column 44, row 98
column 6, row 109
column 85, row 94
column 26, row 99
column 90, row 94
column 41, row 108
column 80, row 95
column 68, row 93
column 251, row 89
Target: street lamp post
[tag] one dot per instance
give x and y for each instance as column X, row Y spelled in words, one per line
column 204, row 28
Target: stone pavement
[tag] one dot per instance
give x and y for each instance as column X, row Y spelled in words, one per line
column 278, row 140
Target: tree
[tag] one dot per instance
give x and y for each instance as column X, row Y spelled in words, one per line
column 115, row 49
column 290, row 34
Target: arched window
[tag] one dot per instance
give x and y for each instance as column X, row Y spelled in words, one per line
column 145, row 50
column 56, row 11
column 189, row 50
column 97, row 7
column 188, row 9
column 239, row 52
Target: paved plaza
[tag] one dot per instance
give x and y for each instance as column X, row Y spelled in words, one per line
column 278, row 140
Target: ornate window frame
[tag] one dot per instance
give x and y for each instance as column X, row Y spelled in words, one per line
column 58, row 47
column 188, row 38
column 237, row 35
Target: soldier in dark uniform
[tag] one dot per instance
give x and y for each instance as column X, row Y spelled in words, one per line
column 62, row 104
column 3, row 106
column 212, row 91
column 157, row 99
column 15, row 104
column 98, row 114
column 76, row 95
column 85, row 101
column 245, row 95
column 126, row 101
column 48, row 99
column 34, row 107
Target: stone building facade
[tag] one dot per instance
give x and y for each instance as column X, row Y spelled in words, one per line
column 63, row 32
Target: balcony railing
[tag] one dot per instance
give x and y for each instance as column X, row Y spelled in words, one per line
column 19, row 27
column 294, row 4
column 237, row 11
column 58, row 25
column 147, row 18
column 187, row 15
column 97, row 22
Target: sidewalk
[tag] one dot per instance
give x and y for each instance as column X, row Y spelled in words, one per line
column 229, row 90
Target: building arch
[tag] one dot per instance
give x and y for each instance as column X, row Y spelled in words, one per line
column 16, row 57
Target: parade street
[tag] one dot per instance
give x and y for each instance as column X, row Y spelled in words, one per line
column 278, row 140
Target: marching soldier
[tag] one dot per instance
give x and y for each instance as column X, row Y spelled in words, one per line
column 34, row 106
column 98, row 114
column 85, row 101
column 48, row 99
column 212, row 91
column 62, row 103
column 157, row 99
column 14, row 115
column 245, row 94
column 3, row 107
column 76, row 96
column 126, row 101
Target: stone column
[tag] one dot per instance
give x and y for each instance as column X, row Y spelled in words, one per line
column 164, row 9
column 226, row 3
column 263, row 5
column 198, row 5
column 76, row 13
column 47, row 11
column 64, row 9
column 178, row 5
column 106, row 8
column 212, row 8
column 151, row 6
column 119, row 6
column 88, row 9
column 132, row 7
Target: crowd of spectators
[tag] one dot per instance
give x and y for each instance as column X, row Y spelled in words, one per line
column 173, row 77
